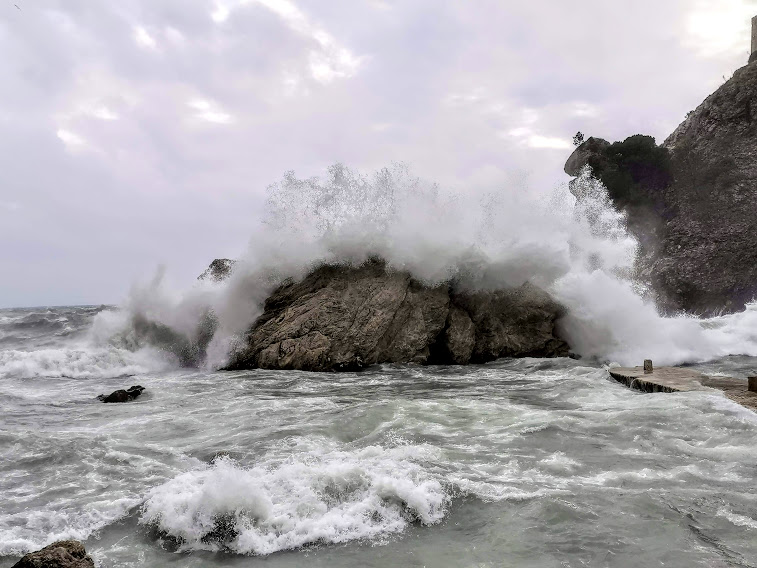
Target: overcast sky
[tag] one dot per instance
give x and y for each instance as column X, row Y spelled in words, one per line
column 144, row 132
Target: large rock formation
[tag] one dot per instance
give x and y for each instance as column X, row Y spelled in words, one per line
column 61, row 554
column 692, row 200
column 346, row 318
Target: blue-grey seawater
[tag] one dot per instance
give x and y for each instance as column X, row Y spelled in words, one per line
column 523, row 463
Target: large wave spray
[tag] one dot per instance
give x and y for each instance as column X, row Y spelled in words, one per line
column 577, row 249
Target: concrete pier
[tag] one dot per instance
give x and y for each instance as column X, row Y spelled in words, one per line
column 679, row 379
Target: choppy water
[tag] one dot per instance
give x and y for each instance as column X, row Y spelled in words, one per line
column 516, row 463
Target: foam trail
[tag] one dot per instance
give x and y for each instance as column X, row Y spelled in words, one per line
column 579, row 250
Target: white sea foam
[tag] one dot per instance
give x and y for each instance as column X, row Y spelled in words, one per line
column 332, row 497
column 81, row 363
column 738, row 520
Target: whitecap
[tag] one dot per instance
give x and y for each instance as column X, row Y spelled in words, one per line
column 81, row 363
column 333, row 497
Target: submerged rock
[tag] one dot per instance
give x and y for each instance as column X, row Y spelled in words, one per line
column 345, row 318
column 61, row 554
column 122, row 395
column 691, row 200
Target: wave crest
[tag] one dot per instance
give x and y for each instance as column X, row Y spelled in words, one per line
column 331, row 498
column 81, row 363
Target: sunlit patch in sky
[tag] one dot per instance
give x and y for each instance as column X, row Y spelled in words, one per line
column 220, row 14
column 463, row 98
column 71, row 140
column 325, row 67
column 519, row 132
column 328, row 61
column 209, row 111
column 102, row 112
column 537, row 141
column 585, row 110
column 144, row 39
column 530, row 139
column 719, row 28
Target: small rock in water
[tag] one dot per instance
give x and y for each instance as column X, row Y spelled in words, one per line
column 219, row 455
column 61, row 554
column 122, row 395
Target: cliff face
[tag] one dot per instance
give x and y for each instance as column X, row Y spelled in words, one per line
column 709, row 257
column 346, row 318
column 692, row 201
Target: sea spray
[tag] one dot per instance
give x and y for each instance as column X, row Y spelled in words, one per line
column 576, row 249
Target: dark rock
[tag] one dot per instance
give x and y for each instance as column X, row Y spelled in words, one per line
column 709, row 258
column 122, row 395
column 190, row 350
column 459, row 337
column 691, row 201
column 61, row 554
column 224, row 530
column 513, row 323
column 635, row 171
column 220, row 455
column 345, row 318
column 592, row 147
column 220, row 269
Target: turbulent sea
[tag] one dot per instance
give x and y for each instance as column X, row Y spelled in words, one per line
column 529, row 462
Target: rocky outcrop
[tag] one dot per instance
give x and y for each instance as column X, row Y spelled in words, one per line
column 592, row 148
column 691, row 201
column 61, row 554
column 345, row 318
column 219, row 270
column 122, row 395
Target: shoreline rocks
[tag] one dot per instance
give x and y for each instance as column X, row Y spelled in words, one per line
column 345, row 318
column 61, row 554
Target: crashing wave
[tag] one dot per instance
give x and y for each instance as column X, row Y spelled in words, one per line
column 81, row 363
column 334, row 497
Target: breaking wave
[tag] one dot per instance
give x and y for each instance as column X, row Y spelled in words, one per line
column 313, row 498
column 85, row 363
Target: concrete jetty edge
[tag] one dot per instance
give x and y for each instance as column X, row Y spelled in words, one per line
column 681, row 379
